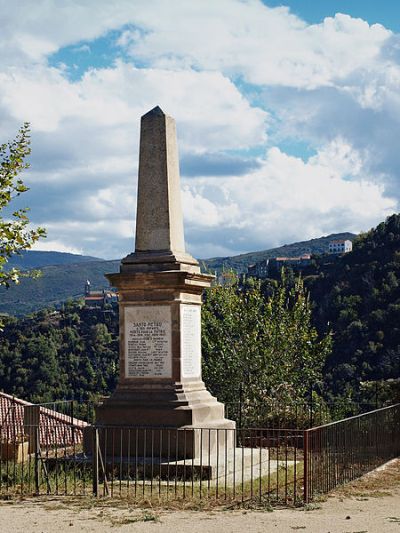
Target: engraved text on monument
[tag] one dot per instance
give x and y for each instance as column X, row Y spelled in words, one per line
column 190, row 341
column 148, row 342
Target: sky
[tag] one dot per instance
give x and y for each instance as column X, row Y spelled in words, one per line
column 287, row 114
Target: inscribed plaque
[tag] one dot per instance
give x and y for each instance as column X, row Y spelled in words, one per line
column 148, row 352
column 190, row 341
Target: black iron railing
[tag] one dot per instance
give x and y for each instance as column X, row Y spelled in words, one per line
column 339, row 452
column 52, row 453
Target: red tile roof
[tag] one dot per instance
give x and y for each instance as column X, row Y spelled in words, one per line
column 54, row 428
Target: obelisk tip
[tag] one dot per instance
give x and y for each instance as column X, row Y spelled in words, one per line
column 156, row 111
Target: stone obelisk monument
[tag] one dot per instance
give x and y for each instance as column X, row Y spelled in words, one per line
column 160, row 293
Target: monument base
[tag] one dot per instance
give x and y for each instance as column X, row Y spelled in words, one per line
column 226, row 469
column 177, row 421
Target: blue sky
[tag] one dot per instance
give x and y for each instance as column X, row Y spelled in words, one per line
column 287, row 114
column 385, row 12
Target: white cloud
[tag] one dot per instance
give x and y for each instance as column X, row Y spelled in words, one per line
column 58, row 246
column 267, row 46
column 287, row 199
column 333, row 85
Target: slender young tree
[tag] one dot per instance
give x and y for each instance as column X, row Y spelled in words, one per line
column 15, row 234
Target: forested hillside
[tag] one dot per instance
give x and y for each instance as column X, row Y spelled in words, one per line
column 74, row 352
column 239, row 263
column 56, row 355
column 358, row 299
column 55, row 285
column 262, row 345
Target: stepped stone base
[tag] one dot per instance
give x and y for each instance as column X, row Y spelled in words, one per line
column 229, row 468
column 179, row 422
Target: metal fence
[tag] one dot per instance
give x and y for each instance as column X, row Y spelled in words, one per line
column 342, row 451
column 229, row 466
column 260, row 465
column 159, row 464
column 296, row 414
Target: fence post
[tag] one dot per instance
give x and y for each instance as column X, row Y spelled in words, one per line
column 37, row 458
column 95, row 455
column 31, row 424
column 306, row 466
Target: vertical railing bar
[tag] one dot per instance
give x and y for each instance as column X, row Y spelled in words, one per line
column 73, row 444
column 152, row 462
column 286, row 467
column 95, row 458
column 234, row 433
column 176, row 461
column 160, row 463
column 277, row 461
column 112, row 460
column 128, row 466
column 260, row 439
column 144, row 459
column 242, row 465
column 217, row 467
column 168, row 458
column 209, row 463
column 136, row 459
column 121, row 462
column 305, row 466
column 226, row 462
column 296, row 442
column 251, row 464
column 201, row 463
column 269, row 461
column 193, row 454
column 184, row 465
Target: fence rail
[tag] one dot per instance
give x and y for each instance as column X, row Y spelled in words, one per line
column 342, row 451
column 230, row 466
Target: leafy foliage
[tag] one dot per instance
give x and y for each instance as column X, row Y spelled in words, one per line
column 55, row 355
column 358, row 298
column 14, row 234
column 263, row 347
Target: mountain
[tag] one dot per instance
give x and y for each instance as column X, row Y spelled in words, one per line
column 66, row 276
column 31, row 259
column 55, row 285
column 240, row 263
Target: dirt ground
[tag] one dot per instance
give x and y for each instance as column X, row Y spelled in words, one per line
column 368, row 505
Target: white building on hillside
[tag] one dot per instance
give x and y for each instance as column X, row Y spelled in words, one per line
column 340, row 247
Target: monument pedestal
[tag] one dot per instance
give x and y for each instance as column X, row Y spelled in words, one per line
column 160, row 382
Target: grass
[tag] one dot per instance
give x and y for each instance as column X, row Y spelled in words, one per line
column 282, row 486
column 376, row 484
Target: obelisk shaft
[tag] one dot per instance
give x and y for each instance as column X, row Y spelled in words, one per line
column 159, row 221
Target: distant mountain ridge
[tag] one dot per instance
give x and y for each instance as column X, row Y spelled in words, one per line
column 56, row 284
column 241, row 262
column 64, row 275
column 31, row 259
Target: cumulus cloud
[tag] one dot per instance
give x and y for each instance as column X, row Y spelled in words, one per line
column 286, row 199
column 262, row 78
column 267, row 46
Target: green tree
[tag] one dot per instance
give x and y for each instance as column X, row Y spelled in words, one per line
column 14, row 233
column 262, row 348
